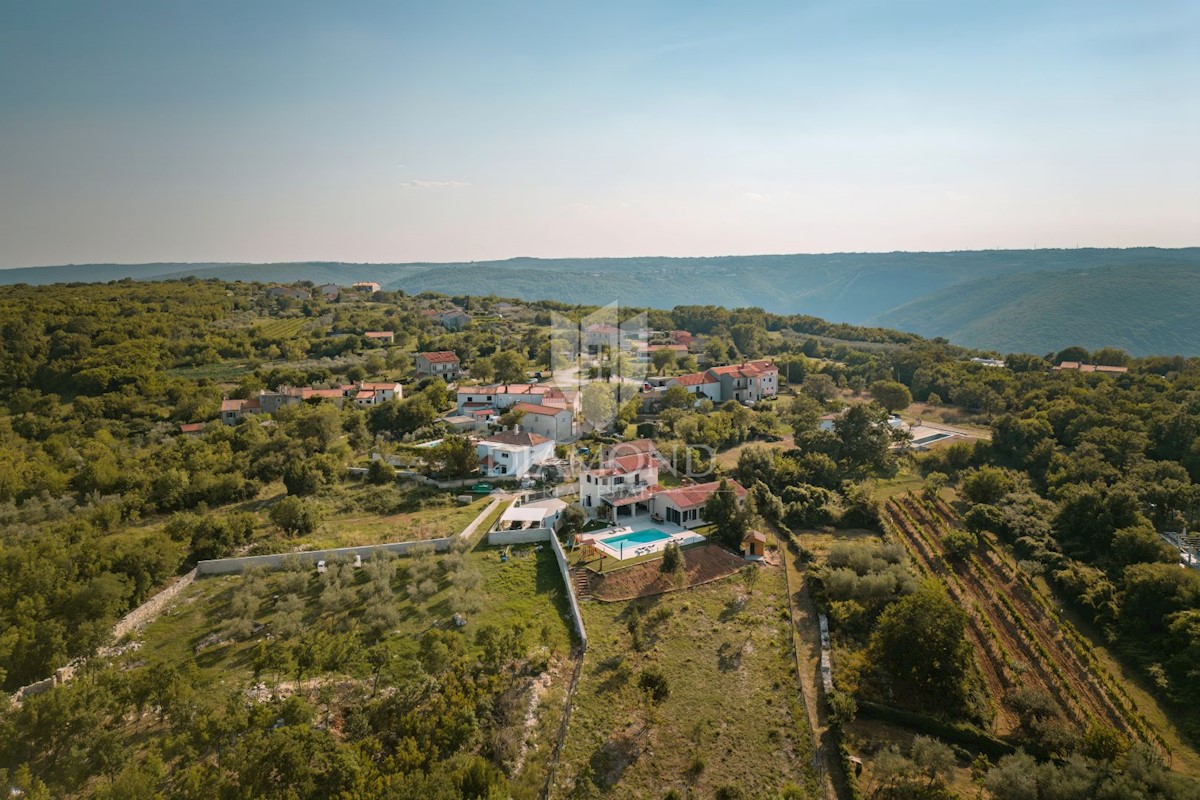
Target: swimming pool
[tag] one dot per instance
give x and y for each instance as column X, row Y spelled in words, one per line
column 636, row 537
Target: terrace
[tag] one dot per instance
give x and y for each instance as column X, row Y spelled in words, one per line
column 639, row 536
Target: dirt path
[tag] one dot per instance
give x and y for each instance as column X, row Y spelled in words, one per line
column 807, row 638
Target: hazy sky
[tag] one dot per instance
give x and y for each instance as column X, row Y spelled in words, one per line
column 447, row 129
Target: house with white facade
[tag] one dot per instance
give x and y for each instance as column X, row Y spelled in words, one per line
column 701, row 384
column 621, row 483
column 512, row 454
column 599, row 336
column 625, row 485
column 553, row 422
column 502, row 396
column 380, row 392
column 453, row 320
column 684, row 505
column 233, row 410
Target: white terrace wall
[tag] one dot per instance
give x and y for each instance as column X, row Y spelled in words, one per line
column 566, row 576
column 524, row 536
column 223, row 566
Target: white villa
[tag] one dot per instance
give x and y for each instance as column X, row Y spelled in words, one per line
column 512, row 454
column 625, row 485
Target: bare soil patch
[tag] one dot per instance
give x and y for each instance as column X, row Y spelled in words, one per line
column 708, row 562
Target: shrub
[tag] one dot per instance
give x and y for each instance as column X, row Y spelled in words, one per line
column 960, row 544
column 295, row 516
column 654, row 684
column 381, row 472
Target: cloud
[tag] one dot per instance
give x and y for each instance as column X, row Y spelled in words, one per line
column 759, row 197
column 435, row 184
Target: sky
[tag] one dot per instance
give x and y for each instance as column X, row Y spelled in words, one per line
column 457, row 130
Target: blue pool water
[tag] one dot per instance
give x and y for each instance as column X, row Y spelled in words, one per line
column 636, row 537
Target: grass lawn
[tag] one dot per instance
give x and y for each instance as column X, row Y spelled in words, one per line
column 729, row 458
column 819, row 543
column 907, row 479
column 669, row 480
column 360, row 514
column 733, row 714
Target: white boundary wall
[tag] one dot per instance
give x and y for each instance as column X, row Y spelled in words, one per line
column 563, row 567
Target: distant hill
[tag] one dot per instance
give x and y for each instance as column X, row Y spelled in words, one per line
column 93, row 273
column 927, row 293
column 1142, row 309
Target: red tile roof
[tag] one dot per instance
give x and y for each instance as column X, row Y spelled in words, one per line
column 512, row 388
column 365, row 394
column 379, row 335
column 632, row 447
column 191, row 427
column 748, row 369
column 695, row 379
column 326, row 393
column 534, row 408
column 515, row 438
column 698, row 494
column 241, row 405
column 439, row 357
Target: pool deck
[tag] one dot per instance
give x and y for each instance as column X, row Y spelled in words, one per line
column 677, row 533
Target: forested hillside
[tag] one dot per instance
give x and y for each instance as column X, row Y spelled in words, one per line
column 1142, row 308
column 910, row 291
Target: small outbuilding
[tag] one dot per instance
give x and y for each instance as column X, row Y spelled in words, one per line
column 754, row 546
